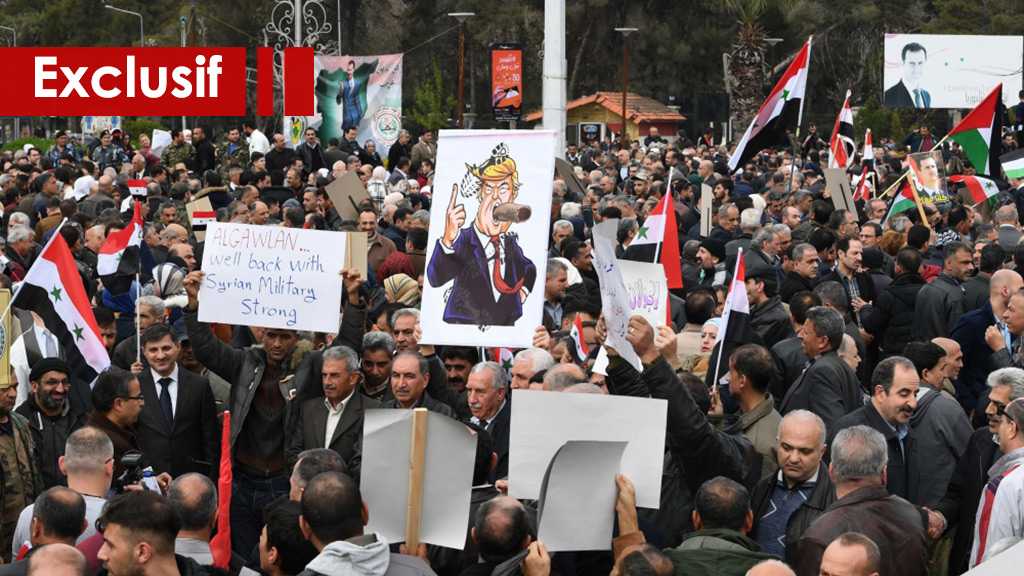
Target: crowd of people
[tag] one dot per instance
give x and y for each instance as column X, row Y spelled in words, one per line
column 871, row 423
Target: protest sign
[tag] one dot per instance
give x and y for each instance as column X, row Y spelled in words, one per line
column 565, row 171
column 356, row 248
column 347, row 193
column 576, row 510
column 200, row 215
column 706, row 198
column 160, row 141
column 648, row 290
column 492, row 191
column 272, row 277
column 614, row 297
column 7, row 336
column 837, row 183
column 444, row 468
column 542, row 422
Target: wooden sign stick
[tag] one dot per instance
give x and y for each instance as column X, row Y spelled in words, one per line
column 417, row 465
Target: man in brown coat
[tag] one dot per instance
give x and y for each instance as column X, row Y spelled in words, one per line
column 858, row 470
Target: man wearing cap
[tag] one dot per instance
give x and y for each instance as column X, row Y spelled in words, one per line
column 21, row 480
column 640, row 183
column 711, row 256
column 50, row 417
column 62, row 152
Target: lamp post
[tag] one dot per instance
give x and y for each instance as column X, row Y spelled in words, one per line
column 142, row 36
column 625, row 78
column 14, row 44
column 461, row 17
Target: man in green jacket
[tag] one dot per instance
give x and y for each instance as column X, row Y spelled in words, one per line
column 720, row 545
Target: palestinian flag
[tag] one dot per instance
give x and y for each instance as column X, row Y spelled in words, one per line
column 137, row 187
column 579, row 348
column 979, row 189
column 904, row 201
column 118, row 260
column 841, row 147
column 781, row 110
column 1013, row 164
column 868, row 157
column 660, row 228
column 979, row 133
column 53, row 289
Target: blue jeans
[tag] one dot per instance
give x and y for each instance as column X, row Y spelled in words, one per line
column 250, row 495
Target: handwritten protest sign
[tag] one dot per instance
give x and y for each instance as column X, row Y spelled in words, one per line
column 272, row 277
column 614, row 297
column 647, row 288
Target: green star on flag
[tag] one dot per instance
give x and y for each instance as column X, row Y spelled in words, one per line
column 55, row 293
column 642, row 233
column 506, row 364
column 78, row 332
column 785, row 94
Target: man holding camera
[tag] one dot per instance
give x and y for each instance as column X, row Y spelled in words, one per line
column 117, row 402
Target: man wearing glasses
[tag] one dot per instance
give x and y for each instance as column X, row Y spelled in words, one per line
column 999, row 513
column 50, row 416
column 117, row 402
column 959, row 507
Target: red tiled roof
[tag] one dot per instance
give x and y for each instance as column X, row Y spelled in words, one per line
column 638, row 108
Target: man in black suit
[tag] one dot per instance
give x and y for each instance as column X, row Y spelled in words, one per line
column 907, row 93
column 486, row 389
column 335, row 420
column 828, row 386
column 177, row 429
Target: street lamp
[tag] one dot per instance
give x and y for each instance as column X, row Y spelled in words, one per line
column 461, row 17
column 142, row 37
column 625, row 78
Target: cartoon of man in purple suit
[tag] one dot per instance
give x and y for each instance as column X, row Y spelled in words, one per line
column 490, row 275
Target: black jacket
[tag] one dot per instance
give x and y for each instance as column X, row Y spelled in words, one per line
column 793, row 283
column 823, row 495
column 312, row 423
column 976, row 290
column 969, row 332
column 904, row 477
column 790, row 361
column 938, row 307
column 49, row 436
column 960, row 504
column 312, row 158
column 865, row 285
column 192, row 443
column 891, row 319
column 828, row 387
column 206, row 156
column 771, row 321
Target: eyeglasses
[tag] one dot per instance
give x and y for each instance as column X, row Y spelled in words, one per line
column 139, row 397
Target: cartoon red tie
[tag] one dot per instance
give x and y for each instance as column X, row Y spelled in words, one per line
column 499, row 282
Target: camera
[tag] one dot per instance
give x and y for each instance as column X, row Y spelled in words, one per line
column 133, row 473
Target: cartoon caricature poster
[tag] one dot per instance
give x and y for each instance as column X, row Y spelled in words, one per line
column 487, row 246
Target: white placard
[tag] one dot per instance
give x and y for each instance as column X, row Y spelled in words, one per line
column 543, row 421
column 477, row 172
column 161, row 140
column 272, row 276
column 614, row 297
column 950, row 71
column 577, row 504
column 447, row 476
column 647, row 288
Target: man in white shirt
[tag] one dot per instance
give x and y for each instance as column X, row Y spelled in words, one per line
column 258, row 141
column 88, row 463
column 32, row 345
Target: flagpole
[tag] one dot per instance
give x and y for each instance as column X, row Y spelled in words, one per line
column 668, row 193
column 14, row 295
column 725, row 325
column 138, row 330
column 799, row 122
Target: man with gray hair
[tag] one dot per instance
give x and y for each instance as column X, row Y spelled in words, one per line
column 528, row 363
column 19, row 252
column 959, row 507
column 334, row 420
column 378, row 352
column 487, row 395
column 151, row 312
column 858, row 470
column 750, row 223
column 560, row 230
column 999, row 512
column 828, row 386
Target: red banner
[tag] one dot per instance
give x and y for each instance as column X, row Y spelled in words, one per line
column 123, row 81
column 506, row 82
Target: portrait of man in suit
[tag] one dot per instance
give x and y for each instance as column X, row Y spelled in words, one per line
column 908, row 92
column 343, row 92
column 928, row 171
column 490, row 275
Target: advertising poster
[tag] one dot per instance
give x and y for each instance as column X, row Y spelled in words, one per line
column 506, row 82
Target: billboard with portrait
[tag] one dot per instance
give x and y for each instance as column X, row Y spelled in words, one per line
column 949, row 71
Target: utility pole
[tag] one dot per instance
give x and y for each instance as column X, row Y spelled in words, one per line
column 555, row 77
column 183, row 22
column 461, row 17
column 625, row 80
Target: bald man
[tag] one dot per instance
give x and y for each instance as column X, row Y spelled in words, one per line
column 851, row 554
column 969, row 333
column 952, row 363
column 57, row 560
column 771, row 568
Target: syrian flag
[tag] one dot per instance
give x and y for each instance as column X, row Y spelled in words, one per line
column 841, row 147
column 1013, row 164
column 503, row 356
column 781, row 110
column 979, row 133
column 53, row 289
column 735, row 328
column 979, row 189
column 137, row 187
column 579, row 348
column 863, row 191
column 868, row 156
column 660, row 228
column 904, row 201
column 118, row 260
column 220, row 544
